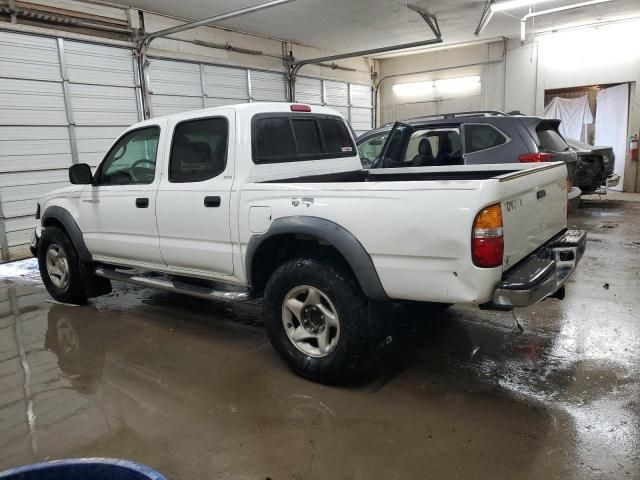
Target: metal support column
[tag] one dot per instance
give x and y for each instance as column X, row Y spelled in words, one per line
column 324, row 92
column 138, row 87
column 203, row 86
column 13, row 11
column 349, row 103
column 249, row 86
column 67, row 102
column 4, row 242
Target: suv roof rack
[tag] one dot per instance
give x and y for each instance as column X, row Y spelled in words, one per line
column 474, row 113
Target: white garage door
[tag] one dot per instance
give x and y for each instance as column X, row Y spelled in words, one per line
column 361, row 111
column 352, row 100
column 309, row 91
column 62, row 102
column 181, row 86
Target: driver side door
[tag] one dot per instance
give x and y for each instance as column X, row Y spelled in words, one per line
column 117, row 212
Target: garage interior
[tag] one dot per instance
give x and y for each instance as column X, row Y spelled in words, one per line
column 191, row 387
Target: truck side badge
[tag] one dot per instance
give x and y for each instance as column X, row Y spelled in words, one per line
column 306, row 201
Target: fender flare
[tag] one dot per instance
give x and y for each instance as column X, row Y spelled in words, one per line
column 72, row 229
column 336, row 236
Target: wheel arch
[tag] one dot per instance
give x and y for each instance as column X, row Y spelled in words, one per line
column 58, row 216
column 289, row 235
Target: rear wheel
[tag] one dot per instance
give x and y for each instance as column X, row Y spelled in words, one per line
column 316, row 317
column 60, row 266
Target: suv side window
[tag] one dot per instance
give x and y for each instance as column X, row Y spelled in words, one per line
column 199, row 150
column 482, row 136
column 132, row 160
column 434, row 147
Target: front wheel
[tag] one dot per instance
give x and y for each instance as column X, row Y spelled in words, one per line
column 316, row 318
column 60, row 267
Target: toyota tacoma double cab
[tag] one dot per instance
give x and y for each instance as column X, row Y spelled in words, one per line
column 269, row 200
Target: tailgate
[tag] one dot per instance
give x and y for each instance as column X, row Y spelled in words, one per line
column 534, row 209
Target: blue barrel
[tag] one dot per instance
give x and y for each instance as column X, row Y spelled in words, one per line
column 83, row 469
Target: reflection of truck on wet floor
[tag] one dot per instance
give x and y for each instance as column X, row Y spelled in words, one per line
column 270, row 200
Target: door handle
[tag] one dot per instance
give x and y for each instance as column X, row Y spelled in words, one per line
column 142, row 202
column 212, row 201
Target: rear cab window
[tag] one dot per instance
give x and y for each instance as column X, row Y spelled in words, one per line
column 291, row 137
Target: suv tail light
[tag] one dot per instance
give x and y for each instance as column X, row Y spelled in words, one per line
column 298, row 107
column 487, row 243
column 535, row 157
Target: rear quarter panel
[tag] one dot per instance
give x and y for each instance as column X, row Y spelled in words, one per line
column 418, row 234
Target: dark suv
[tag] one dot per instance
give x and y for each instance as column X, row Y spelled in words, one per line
column 467, row 138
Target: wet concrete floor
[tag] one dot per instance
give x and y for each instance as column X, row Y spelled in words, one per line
column 194, row 389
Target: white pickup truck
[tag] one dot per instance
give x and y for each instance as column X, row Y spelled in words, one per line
column 270, row 200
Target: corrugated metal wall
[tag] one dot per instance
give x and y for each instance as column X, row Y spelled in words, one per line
column 177, row 86
column 352, row 100
column 62, row 102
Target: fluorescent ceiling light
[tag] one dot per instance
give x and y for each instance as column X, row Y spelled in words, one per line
column 459, row 84
column 523, row 21
column 412, row 89
column 511, row 4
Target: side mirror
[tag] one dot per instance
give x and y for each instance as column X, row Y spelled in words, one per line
column 80, row 174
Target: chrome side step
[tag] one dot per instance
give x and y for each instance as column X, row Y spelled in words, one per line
column 174, row 286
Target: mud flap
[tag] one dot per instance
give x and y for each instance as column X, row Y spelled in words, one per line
column 93, row 285
column 380, row 318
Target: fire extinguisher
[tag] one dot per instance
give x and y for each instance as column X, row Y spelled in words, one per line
column 633, row 147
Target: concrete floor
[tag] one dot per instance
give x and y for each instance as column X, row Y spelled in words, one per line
column 194, row 389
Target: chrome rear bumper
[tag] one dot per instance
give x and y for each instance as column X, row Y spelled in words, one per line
column 542, row 274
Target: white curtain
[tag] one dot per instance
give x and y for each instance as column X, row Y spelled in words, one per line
column 612, row 111
column 574, row 114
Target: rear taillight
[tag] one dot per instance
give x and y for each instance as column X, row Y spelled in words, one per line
column 298, row 107
column 487, row 243
column 535, row 157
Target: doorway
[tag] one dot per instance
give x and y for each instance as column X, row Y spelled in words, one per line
column 607, row 124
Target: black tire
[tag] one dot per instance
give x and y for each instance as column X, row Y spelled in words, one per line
column 353, row 348
column 72, row 292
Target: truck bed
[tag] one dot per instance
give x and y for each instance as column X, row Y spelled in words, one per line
column 413, row 174
column 419, row 237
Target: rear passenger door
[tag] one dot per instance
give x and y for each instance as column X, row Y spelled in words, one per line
column 193, row 201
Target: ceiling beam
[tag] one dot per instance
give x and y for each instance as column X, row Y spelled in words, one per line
column 147, row 39
column 363, row 53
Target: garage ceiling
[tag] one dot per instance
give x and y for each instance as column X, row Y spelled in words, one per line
column 341, row 26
